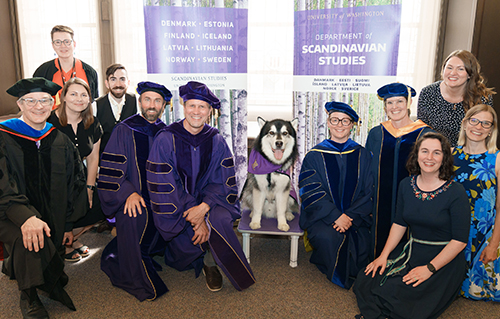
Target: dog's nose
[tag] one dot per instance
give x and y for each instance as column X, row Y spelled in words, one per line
column 279, row 144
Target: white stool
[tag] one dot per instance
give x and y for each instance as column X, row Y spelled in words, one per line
column 269, row 226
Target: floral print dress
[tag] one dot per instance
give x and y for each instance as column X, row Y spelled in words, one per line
column 476, row 172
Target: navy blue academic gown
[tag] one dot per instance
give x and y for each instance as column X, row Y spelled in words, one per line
column 390, row 148
column 336, row 179
column 127, row 258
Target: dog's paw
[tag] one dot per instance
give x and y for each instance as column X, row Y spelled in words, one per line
column 289, row 216
column 283, row 227
column 254, row 225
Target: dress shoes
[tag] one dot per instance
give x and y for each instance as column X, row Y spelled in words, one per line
column 103, row 226
column 31, row 306
column 213, row 277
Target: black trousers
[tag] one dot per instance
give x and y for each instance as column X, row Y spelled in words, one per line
column 40, row 269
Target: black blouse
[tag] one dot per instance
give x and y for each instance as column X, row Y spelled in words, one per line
column 84, row 139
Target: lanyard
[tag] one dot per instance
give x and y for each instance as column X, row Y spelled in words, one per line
column 73, row 73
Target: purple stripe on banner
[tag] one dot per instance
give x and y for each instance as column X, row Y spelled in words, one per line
column 196, row 39
column 347, row 41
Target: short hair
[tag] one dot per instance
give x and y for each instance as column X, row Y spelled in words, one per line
column 475, row 87
column 445, row 170
column 491, row 140
column 87, row 115
column 113, row 68
column 61, row 28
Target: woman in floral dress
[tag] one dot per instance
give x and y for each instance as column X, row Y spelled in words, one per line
column 477, row 166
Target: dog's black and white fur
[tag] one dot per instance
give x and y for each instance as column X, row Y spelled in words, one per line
column 268, row 195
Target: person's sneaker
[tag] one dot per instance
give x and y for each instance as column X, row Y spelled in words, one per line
column 32, row 307
column 213, row 277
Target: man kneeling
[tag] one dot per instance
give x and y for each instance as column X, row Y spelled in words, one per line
column 194, row 197
column 41, row 195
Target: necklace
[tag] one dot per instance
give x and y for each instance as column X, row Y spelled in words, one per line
column 428, row 195
column 73, row 71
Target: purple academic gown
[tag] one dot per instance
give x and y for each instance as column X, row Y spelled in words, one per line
column 127, row 258
column 183, row 171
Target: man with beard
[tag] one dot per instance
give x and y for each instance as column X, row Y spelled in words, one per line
column 111, row 109
column 124, row 195
column 194, row 197
column 117, row 105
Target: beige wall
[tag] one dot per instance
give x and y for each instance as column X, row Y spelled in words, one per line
column 459, row 25
column 9, row 77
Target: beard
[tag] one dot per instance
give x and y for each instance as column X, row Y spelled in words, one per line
column 151, row 117
column 118, row 94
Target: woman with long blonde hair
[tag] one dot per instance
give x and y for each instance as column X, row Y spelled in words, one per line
column 477, row 164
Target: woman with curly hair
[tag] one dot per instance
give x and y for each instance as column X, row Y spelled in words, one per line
column 423, row 277
column 477, row 164
column 443, row 104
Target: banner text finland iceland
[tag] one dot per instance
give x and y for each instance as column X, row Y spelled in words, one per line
column 185, row 41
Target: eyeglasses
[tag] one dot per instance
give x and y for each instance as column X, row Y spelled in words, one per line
column 32, row 102
column 484, row 124
column 335, row 121
column 66, row 42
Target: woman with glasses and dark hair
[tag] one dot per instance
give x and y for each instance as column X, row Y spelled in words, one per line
column 443, row 104
column 335, row 189
column 477, row 165
column 66, row 66
column 421, row 278
column 390, row 143
column 74, row 118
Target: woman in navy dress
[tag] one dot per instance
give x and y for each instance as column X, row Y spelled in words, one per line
column 421, row 279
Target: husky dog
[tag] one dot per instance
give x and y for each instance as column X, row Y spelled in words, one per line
column 267, row 188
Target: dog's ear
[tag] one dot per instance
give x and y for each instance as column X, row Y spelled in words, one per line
column 295, row 123
column 261, row 122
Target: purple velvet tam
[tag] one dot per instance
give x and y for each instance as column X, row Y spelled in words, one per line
column 155, row 87
column 395, row 89
column 199, row 91
column 25, row 86
column 342, row 107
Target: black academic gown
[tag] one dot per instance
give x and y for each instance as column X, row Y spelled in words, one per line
column 40, row 175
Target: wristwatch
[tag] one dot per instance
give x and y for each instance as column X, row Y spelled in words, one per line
column 92, row 187
column 431, row 268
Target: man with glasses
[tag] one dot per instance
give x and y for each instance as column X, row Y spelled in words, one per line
column 127, row 259
column 336, row 188
column 42, row 192
column 66, row 66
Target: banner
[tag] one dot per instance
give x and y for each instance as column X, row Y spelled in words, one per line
column 193, row 40
column 356, row 47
